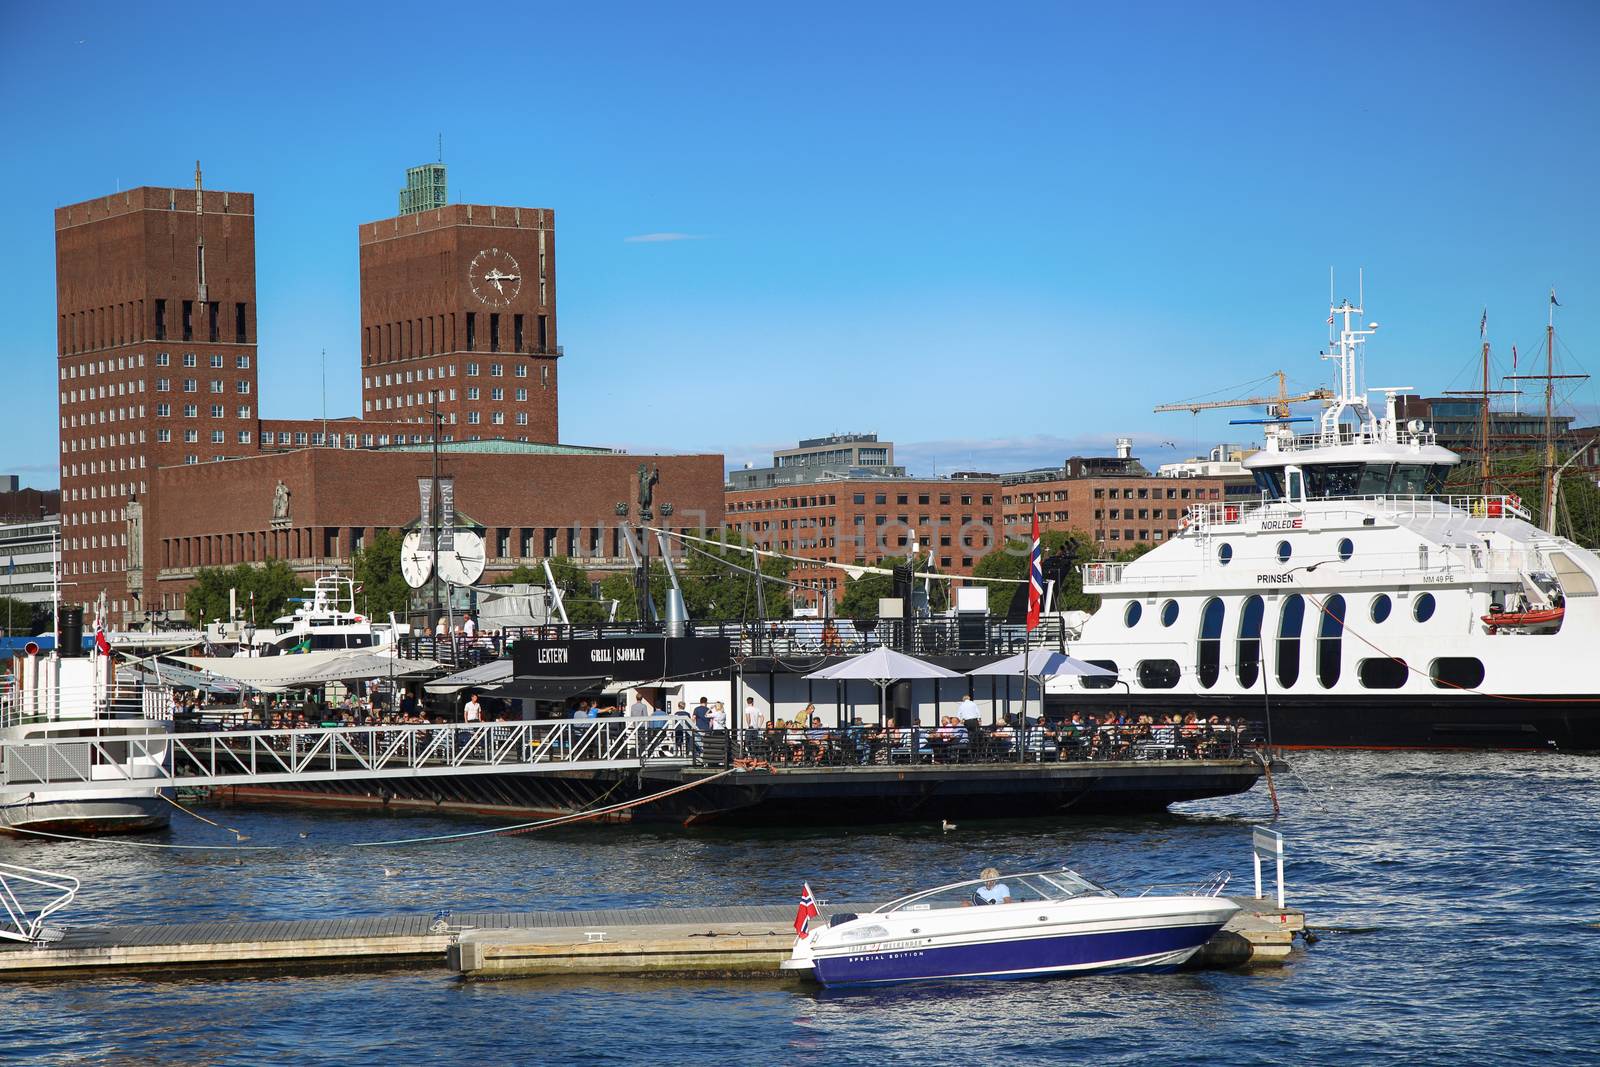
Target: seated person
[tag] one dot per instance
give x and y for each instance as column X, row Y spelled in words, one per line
column 992, row 891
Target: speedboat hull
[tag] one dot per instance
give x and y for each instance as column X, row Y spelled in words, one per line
column 1017, row 940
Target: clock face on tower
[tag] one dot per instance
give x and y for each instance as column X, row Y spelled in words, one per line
column 496, row 279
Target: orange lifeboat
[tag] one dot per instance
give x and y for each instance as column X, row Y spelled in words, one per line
column 1524, row 619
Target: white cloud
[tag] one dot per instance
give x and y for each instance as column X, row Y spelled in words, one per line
column 657, row 238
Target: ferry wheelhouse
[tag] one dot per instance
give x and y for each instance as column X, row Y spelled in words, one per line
column 1355, row 603
column 326, row 619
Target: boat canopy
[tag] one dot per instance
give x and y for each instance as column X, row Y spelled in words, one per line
column 1059, row 884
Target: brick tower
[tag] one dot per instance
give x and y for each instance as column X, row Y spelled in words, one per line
column 156, row 344
column 461, row 300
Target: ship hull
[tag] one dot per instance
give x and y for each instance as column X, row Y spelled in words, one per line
column 1374, row 721
column 88, row 816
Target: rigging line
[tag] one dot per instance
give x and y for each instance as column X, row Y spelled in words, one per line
column 1440, row 683
column 847, row 567
column 520, row 828
column 239, row 834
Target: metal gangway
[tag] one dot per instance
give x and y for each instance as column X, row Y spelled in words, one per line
column 113, row 762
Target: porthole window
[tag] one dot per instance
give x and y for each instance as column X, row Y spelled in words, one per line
column 1159, row 673
column 1423, row 608
column 1383, row 673
column 1130, row 617
column 1456, row 672
column 1381, row 606
column 1169, row 613
column 1347, row 548
column 1285, row 550
column 1224, row 553
column 1100, row 681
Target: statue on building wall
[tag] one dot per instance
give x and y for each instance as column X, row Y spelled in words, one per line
column 280, row 501
column 135, row 536
column 648, row 477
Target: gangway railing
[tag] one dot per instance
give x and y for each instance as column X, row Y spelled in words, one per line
column 312, row 754
column 23, row 923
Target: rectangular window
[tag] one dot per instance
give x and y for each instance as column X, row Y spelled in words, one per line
column 189, row 360
column 498, row 418
column 497, row 370
column 163, row 436
column 522, row 394
column 494, row 331
column 163, row 410
column 521, row 370
column 472, row 332
column 188, row 320
column 244, row 437
column 316, row 438
column 242, row 362
column 472, row 370
column 299, row 437
column 191, row 436
column 216, row 361
column 163, row 359
column 880, row 498
column 191, row 410
column 544, row 333
column 163, row 385
column 497, row 393
column 211, row 324
column 217, row 411
column 522, row 418
column 161, row 322
column 218, row 437
column 242, row 386
column 472, row 392
column 516, row 326
column 191, row 459
column 472, row 418
column 218, row 385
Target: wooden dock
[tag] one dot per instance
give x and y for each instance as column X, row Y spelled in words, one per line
column 701, row 941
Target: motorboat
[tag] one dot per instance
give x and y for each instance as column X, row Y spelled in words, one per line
column 1029, row 925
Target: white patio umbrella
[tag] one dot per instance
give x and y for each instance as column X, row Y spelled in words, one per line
column 1040, row 663
column 882, row 666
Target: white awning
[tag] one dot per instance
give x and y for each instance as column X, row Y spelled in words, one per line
column 307, row 668
column 489, row 675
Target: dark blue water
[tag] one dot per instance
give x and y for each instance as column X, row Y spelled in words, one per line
column 1460, row 895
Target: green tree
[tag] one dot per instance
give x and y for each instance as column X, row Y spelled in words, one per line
column 521, row 574
column 581, row 606
column 1011, row 561
column 272, row 582
column 22, row 619
column 1577, row 507
column 861, row 595
column 377, row 571
column 717, row 583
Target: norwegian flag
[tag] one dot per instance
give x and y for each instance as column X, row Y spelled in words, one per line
column 806, row 912
column 1035, row 578
column 101, row 643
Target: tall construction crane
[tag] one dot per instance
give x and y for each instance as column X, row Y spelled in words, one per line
column 1277, row 406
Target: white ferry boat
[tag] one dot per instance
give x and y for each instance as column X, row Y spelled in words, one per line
column 78, row 703
column 1354, row 604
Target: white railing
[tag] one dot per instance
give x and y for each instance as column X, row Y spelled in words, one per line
column 1348, row 435
column 246, row 757
column 21, row 924
column 78, row 703
column 1209, row 516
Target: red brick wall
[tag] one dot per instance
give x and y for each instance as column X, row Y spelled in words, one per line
column 221, row 514
column 1115, row 512
column 416, row 296
column 958, row 520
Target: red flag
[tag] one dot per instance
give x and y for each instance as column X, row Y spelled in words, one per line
column 806, row 912
column 1035, row 577
column 101, row 643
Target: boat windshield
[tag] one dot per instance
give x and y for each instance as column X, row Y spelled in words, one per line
column 1034, row 887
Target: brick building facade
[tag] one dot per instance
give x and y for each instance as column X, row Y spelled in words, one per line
column 863, row 520
column 156, row 303
column 1116, row 510
column 530, row 506
column 459, row 301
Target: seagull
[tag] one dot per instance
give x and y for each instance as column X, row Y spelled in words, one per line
column 390, row 872
column 946, row 825
column 303, row 834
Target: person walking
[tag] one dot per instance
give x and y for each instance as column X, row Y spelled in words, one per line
column 473, row 711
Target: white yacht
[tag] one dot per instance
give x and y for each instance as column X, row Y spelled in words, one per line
column 1354, row 603
column 325, row 619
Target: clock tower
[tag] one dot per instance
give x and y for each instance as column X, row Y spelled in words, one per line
column 458, row 303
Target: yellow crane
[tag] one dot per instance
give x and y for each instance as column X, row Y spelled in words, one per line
column 1277, row 406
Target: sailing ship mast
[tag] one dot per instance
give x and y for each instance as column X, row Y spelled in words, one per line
column 1549, row 478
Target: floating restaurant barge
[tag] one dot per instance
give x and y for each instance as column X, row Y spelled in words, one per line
column 879, row 754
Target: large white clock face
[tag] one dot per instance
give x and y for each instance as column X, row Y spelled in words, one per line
column 416, row 562
column 464, row 565
column 496, row 278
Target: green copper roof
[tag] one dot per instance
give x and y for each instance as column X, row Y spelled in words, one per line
column 503, row 448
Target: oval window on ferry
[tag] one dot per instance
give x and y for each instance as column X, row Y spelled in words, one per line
column 1347, row 548
column 1130, row 617
column 1208, row 664
column 1289, row 624
column 1330, row 641
column 1224, row 553
column 1456, row 672
column 1285, row 550
column 1249, row 658
column 1381, row 604
column 1100, row 681
column 1169, row 613
column 1422, row 610
column 1159, row 673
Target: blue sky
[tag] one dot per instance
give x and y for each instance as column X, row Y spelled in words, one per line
column 997, row 234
